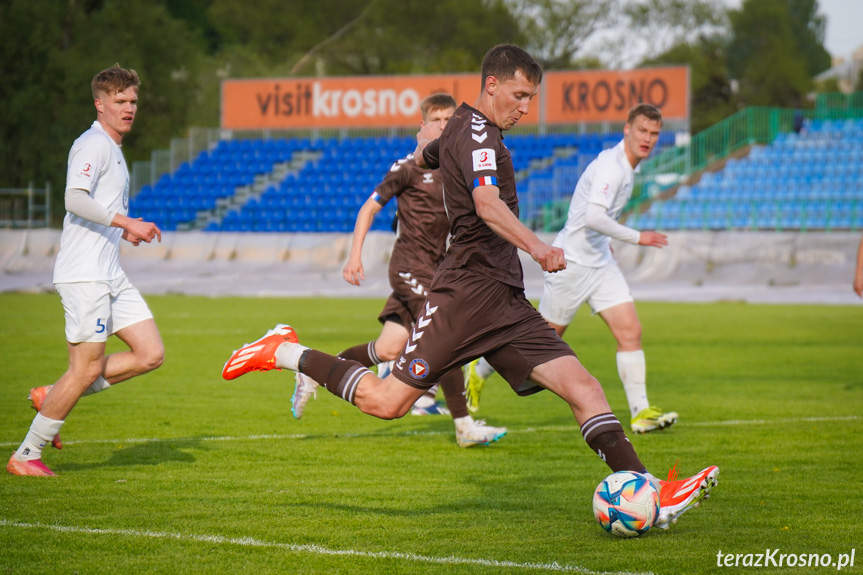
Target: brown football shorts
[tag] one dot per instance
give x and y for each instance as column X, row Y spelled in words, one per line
column 468, row 315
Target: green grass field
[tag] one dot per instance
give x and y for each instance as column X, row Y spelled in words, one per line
column 179, row 471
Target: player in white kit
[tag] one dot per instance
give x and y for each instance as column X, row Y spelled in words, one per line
column 97, row 298
column 592, row 275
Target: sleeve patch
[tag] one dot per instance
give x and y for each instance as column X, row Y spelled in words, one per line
column 484, row 159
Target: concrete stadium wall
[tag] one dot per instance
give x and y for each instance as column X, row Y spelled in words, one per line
column 811, row 267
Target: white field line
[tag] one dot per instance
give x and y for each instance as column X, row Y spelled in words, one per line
column 313, row 549
column 407, row 433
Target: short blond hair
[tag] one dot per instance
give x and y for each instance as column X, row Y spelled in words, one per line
column 114, row 79
column 439, row 101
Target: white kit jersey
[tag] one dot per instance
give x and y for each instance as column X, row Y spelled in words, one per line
column 90, row 251
column 607, row 181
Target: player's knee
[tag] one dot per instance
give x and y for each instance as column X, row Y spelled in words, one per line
column 588, row 389
column 151, row 359
column 388, row 352
column 595, row 388
column 384, row 408
column 386, row 412
column 84, row 375
column 629, row 335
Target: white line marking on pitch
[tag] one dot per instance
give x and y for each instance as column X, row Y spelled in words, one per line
column 406, row 433
column 314, row 549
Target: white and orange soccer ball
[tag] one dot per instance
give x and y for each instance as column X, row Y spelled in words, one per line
column 626, row 504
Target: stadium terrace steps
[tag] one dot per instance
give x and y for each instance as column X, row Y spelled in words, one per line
column 318, row 186
column 807, row 181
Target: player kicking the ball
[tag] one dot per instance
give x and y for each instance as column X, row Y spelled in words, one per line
column 419, row 248
column 476, row 304
column 592, row 276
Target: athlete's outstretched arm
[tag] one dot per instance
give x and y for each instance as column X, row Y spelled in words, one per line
column 353, row 271
column 497, row 215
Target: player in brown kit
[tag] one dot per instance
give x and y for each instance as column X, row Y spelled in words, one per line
column 419, row 248
column 476, row 304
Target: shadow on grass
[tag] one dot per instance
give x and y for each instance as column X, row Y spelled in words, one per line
column 149, row 453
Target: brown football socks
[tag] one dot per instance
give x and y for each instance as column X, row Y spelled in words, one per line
column 338, row 376
column 605, row 436
column 363, row 353
column 452, row 385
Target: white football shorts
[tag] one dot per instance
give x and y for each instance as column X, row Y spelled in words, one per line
column 564, row 292
column 96, row 310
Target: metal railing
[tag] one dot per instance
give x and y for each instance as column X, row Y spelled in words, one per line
column 755, row 125
column 25, row 207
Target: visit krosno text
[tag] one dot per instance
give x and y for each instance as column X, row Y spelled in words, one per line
column 776, row 558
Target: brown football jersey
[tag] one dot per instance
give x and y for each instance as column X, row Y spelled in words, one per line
column 471, row 153
column 423, row 226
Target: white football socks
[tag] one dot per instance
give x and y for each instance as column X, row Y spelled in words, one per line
column 483, row 368
column 632, row 369
column 42, row 431
column 462, row 424
column 288, row 355
column 653, row 481
column 101, row 384
column 428, row 398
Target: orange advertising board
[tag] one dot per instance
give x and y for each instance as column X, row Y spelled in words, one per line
column 386, row 101
column 344, row 102
column 606, row 95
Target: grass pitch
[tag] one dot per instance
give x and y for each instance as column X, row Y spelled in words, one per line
column 179, row 471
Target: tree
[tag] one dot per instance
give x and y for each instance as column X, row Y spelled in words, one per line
column 808, row 30
column 710, row 85
column 655, row 27
column 613, row 33
column 765, row 55
column 51, row 51
column 394, row 37
column 31, row 94
column 558, row 32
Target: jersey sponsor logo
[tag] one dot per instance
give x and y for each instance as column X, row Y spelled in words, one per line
column 485, row 181
column 484, row 159
column 85, row 171
column 428, row 178
column 419, row 369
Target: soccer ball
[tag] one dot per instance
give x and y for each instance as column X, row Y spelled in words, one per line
column 626, row 504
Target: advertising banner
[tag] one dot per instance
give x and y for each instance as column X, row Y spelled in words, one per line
column 343, row 102
column 393, row 101
column 606, row 95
